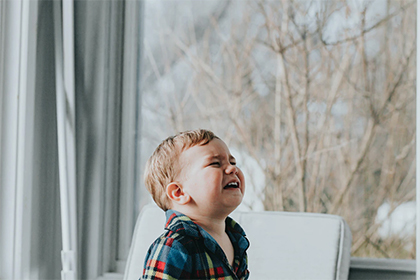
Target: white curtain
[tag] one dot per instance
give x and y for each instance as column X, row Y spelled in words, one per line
column 106, row 40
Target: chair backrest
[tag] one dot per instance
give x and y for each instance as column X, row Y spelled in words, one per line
column 284, row 245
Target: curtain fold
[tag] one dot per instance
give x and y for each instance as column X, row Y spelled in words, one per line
column 107, row 58
column 104, row 117
column 98, row 28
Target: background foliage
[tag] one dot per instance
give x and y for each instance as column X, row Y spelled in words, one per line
column 318, row 97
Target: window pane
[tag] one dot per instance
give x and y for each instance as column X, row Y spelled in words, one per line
column 315, row 98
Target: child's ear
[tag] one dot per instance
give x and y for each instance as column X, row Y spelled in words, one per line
column 175, row 192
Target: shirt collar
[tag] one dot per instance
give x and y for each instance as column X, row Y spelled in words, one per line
column 182, row 224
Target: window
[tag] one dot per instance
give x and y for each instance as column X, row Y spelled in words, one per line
column 316, row 98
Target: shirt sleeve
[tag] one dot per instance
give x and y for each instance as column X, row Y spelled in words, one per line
column 167, row 259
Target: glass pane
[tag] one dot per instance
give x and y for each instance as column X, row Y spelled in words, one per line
column 315, row 98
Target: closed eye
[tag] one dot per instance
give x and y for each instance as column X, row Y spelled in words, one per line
column 216, row 163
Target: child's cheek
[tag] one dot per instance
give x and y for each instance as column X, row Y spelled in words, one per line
column 242, row 178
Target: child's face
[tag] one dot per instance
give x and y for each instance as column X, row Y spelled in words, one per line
column 212, row 179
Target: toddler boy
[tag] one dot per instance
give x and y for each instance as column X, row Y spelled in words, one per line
column 193, row 177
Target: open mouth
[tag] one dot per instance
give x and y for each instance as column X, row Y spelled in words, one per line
column 232, row 185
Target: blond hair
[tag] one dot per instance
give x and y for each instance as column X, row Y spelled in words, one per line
column 163, row 166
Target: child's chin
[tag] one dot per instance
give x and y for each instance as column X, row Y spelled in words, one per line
column 237, row 202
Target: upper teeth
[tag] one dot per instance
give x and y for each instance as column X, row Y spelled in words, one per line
column 233, row 184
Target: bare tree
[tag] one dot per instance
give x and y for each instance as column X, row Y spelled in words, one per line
column 320, row 93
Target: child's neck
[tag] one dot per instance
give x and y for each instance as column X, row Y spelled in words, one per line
column 213, row 223
column 216, row 228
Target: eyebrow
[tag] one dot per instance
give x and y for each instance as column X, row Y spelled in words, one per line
column 220, row 157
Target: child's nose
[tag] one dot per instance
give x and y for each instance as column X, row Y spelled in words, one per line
column 231, row 169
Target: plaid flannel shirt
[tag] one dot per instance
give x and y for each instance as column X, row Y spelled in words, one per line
column 186, row 251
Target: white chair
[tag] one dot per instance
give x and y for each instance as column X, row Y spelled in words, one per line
column 284, row 245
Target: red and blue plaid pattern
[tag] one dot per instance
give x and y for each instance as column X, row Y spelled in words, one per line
column 186, row 251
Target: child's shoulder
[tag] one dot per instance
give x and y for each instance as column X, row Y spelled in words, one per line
column 170, row 253
column 169, row 248
column 174, row 241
